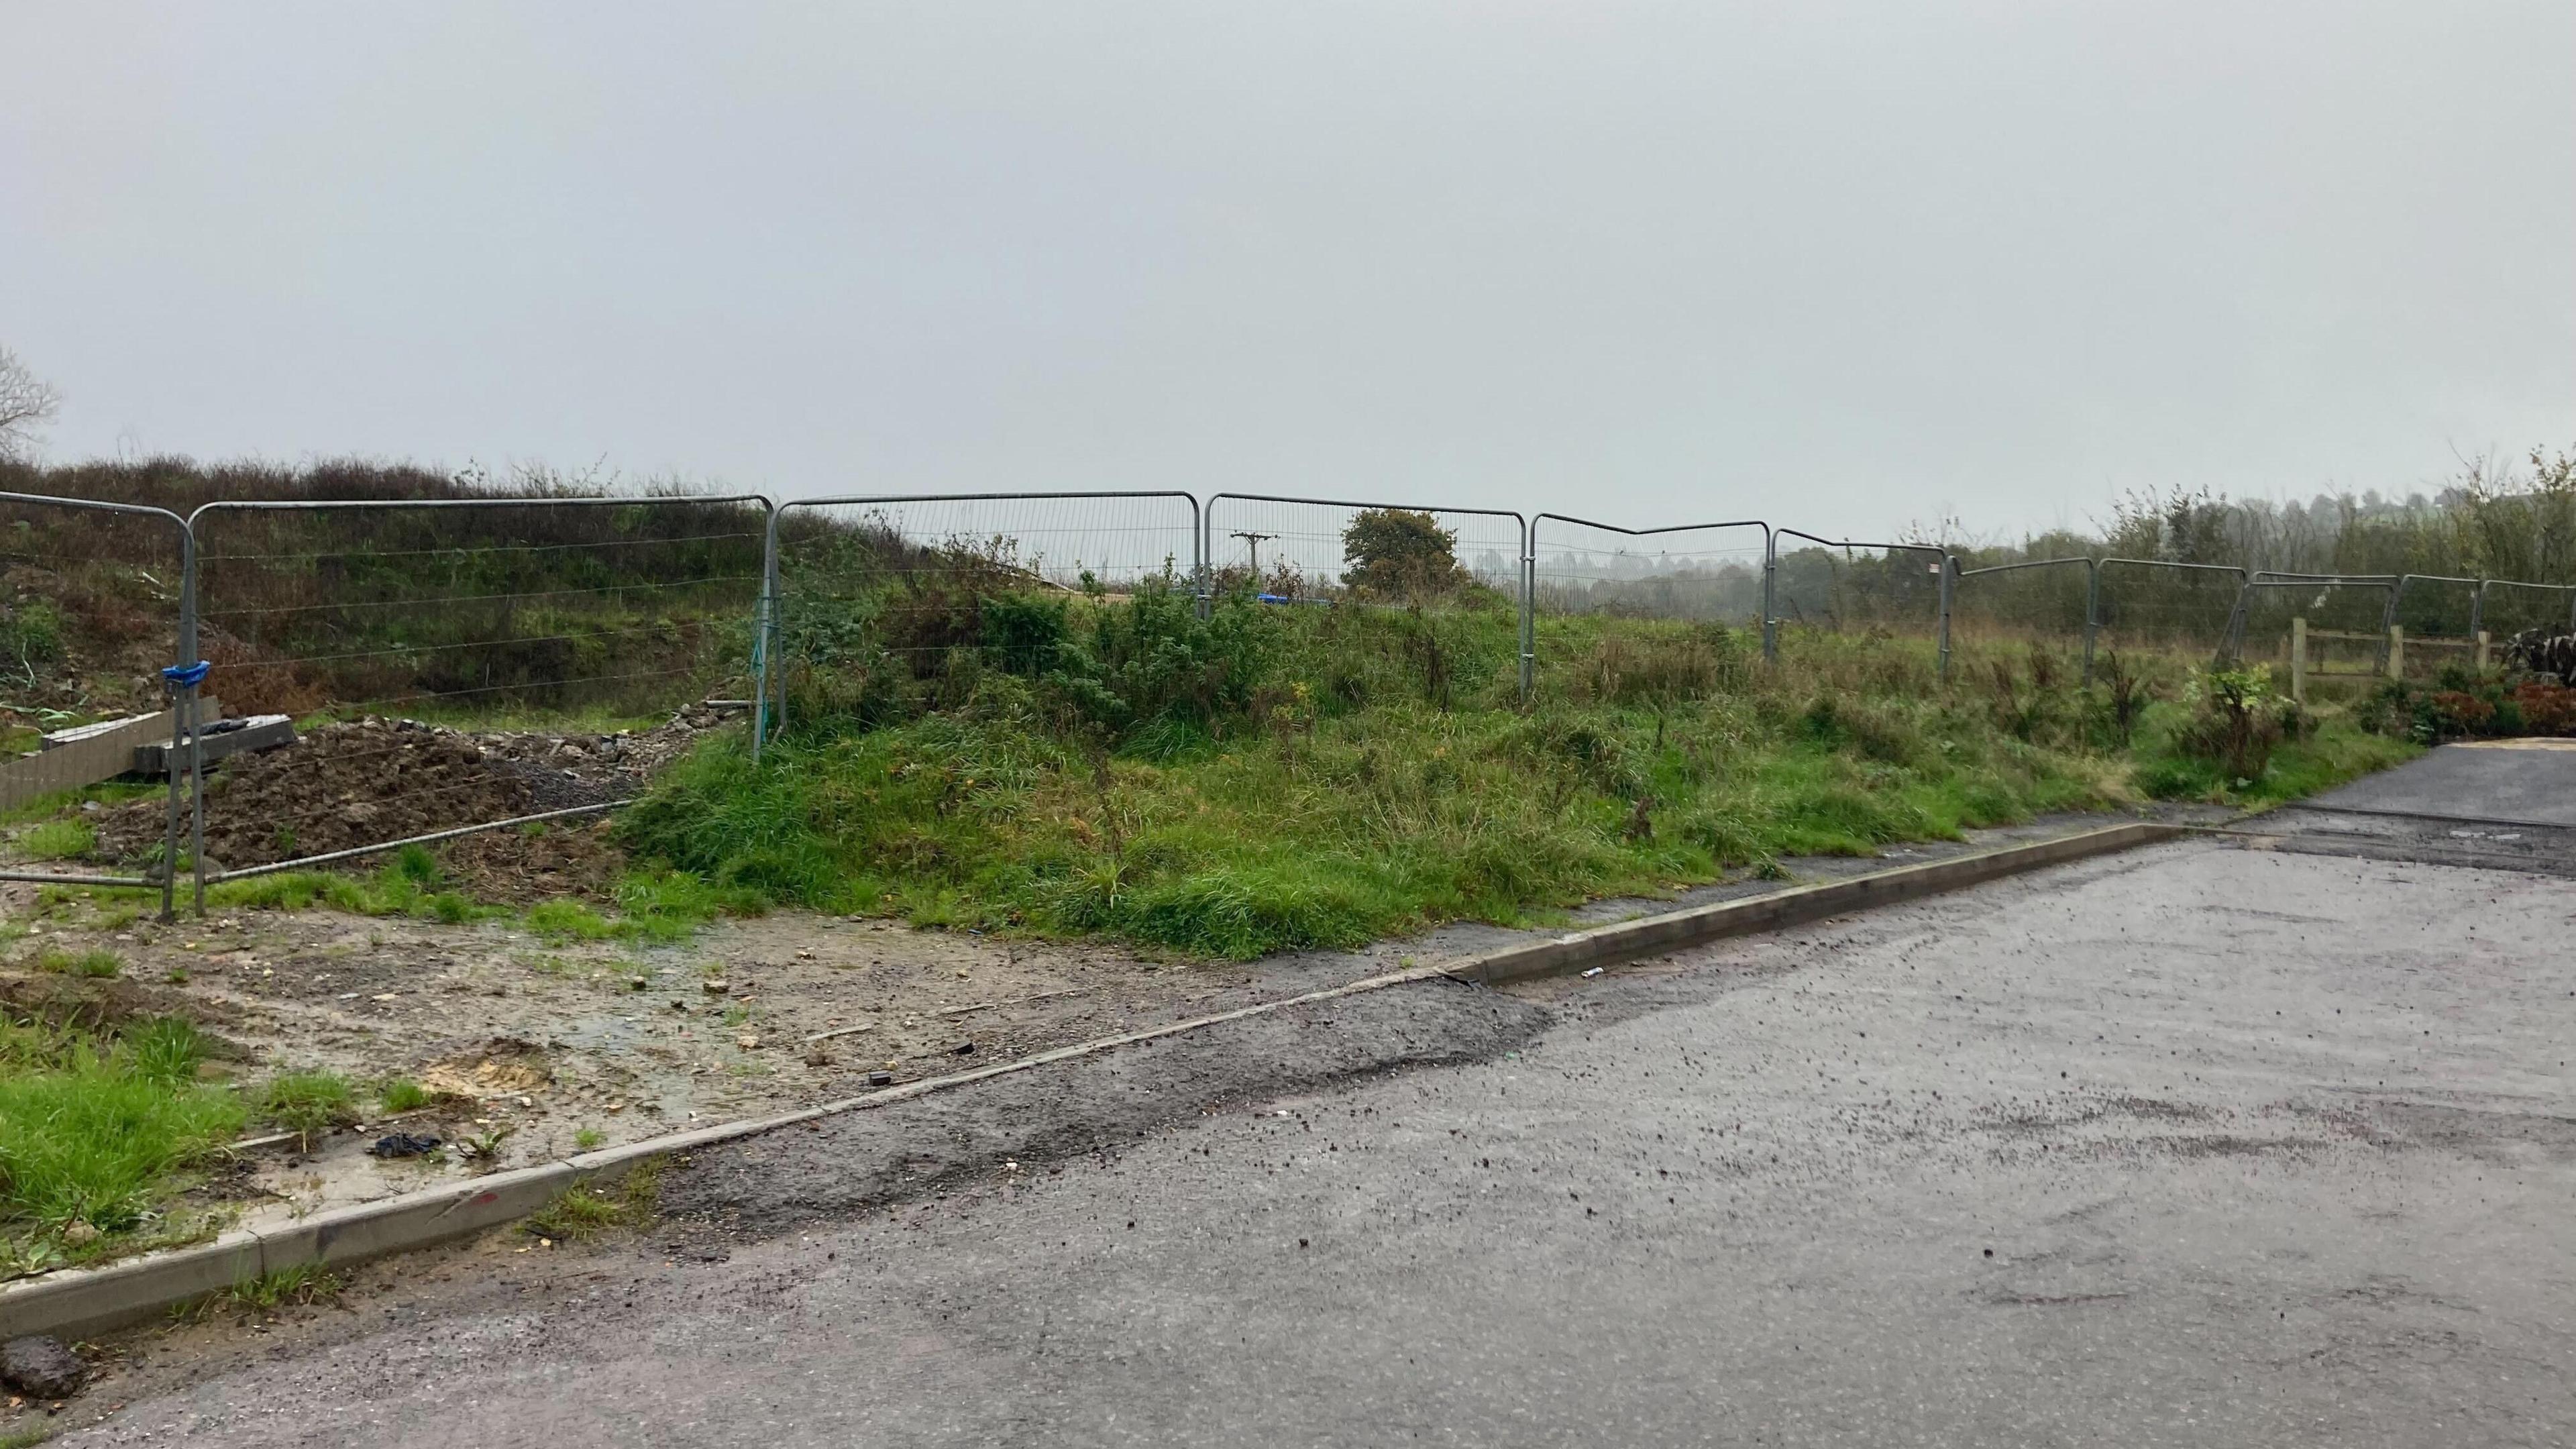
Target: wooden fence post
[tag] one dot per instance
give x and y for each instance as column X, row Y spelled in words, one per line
column 2482, row 651
column 2299, row 660
column 2397, row 651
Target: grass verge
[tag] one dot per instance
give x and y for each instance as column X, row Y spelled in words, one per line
column 1322, row 778
column 96, row 1130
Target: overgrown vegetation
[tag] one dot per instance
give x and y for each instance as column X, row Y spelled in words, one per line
column 969, row 753
column 95, row 1129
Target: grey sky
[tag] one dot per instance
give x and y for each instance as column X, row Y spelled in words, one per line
column 1841, row 264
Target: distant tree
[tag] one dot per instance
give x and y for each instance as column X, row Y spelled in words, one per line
column 26, row 402
column 1397, row 551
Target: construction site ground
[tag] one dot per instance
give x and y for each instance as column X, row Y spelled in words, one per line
column 538, row 1048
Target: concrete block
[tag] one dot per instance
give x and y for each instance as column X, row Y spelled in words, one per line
column 368, row 1230
column 81, row 1302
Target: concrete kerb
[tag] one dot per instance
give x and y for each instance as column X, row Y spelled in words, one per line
column 89, row 1301
column 1655, row 935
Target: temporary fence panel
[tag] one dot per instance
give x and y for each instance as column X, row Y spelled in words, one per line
column 1716, row 573
column 449, row 649
column 2343, row 619
column 93, row 616
column 2433, row 606
column 2034, row 603
column 1340, row 553
column 2509, row 608
column 1839, row 584
column 2153, row 606
column 886, row 597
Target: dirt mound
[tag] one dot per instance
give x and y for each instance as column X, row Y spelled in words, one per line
column 374, row 780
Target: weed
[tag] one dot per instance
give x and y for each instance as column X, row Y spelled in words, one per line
column 300, row 1286
column 402, row 1094
column 2126, row 697
column 94, row 963
column 485, row 1146
column 569, row 920
column 579, row 1214
column 309, row 1104
column 25, row 1438
column 587, row 1139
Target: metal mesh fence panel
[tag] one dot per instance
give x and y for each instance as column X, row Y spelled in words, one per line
column 1334, row 553
column 91, row 615
column 1319, row 550
column 1838, row 584
column 1710, row 571
column 450, row 657
column 882, row 598
column 2344, row 620
column 2512, row 608
column 2148, row 606
column 2043, row 603
column 2434, row 607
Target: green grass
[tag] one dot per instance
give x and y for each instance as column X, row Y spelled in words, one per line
column 402, row 1094
column 1335, row 822
column 579, row 1214
column 94, row 963
column 587, row 1139
column 309, row 1104
column 303, row 1285
column 653, row 905
column 58, row 840
column 25, row 1438
column 93, row 1129
column 1348, row 789
column 61, row 803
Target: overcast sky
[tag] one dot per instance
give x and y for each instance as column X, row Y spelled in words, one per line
column 1845, row 265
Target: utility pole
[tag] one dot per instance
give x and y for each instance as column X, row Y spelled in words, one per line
column 1256, row 540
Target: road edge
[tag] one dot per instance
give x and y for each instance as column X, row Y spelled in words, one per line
column 81, row 1302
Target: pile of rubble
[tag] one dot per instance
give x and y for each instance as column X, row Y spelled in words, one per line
column 371, row 780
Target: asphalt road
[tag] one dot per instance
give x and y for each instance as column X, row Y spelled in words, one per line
column 2200, row 1145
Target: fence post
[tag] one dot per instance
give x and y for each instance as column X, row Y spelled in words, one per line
column 1770, row 594
column 1949, row 569
column 2092, row 613
column 185, row 708
column 2478, row 615
column 764, row 629
column 2397, row 651
column 1529, row 590
column 2482, row 651
column 2232, row 643
column 1200, row 568
column 2300, row 654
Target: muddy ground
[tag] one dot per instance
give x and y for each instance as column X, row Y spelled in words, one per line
column 361, row 782
column 542, row 1048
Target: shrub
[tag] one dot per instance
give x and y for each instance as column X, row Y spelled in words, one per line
column 2546, row 709
column 2236, row 721
column 1399, row 553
